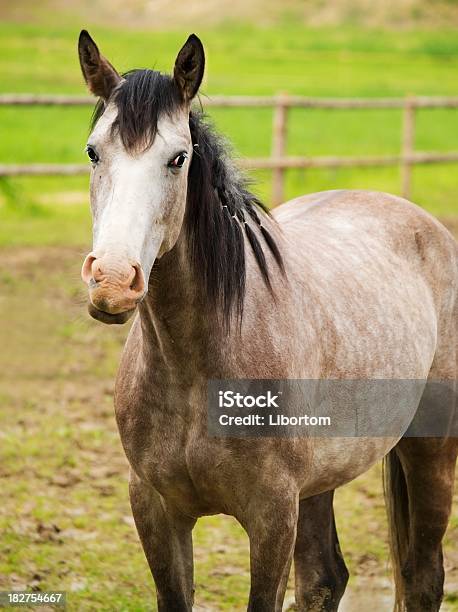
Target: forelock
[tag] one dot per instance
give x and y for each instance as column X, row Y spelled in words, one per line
column 141, row 98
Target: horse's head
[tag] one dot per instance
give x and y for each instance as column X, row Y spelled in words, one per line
column 140, row 149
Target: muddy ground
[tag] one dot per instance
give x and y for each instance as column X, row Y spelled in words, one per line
column 65, row 522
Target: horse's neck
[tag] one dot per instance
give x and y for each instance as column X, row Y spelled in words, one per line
column 178, row 326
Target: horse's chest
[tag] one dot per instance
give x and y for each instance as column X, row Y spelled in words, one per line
column 160, row 447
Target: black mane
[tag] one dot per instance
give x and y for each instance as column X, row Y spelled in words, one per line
column 220, row 210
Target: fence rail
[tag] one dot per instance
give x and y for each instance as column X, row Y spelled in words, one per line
column 279, row 161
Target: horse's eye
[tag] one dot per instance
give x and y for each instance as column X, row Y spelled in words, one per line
column 92, row 154
column 178, row 161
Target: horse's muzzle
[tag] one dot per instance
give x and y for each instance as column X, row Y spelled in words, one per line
column 115, row 287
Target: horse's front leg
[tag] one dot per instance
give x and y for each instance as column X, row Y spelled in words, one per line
column 166, row 537
column 271, row 526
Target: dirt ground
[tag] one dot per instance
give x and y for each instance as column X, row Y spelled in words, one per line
column 65, row 522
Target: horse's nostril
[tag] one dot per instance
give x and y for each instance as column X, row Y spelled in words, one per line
column 86, row 271
column 138, row 281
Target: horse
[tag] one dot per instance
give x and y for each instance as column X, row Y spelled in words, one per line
column 339, row 285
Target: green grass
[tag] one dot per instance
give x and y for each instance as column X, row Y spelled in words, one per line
column 241, row 60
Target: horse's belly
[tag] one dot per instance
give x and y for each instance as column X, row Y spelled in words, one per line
column 336, row 461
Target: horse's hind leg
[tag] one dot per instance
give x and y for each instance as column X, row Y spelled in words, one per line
column 428, row 466
column 320, row 571
column 166, row 538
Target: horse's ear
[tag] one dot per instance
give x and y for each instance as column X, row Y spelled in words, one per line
column 98, row 73
column 189, row 67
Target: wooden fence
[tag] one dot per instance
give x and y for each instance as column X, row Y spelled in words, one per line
column 279, row 161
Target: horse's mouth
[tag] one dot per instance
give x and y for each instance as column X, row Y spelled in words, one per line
column 110, row 319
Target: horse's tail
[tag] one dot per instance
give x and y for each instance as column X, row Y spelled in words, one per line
column 397, row 505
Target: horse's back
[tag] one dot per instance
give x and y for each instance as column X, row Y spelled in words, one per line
column 358, row 218
column 379, row 261
column 359, row 209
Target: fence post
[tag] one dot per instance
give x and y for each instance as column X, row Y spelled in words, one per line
column 407, row 147
column 279, row 138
